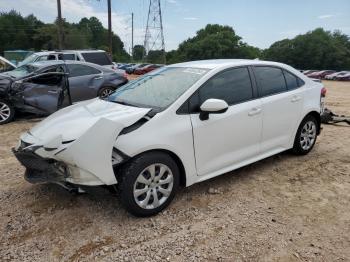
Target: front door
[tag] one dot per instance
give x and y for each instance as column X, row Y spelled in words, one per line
column 45, row 93
column 231, row 138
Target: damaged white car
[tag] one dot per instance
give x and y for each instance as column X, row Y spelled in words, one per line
column 179, row 125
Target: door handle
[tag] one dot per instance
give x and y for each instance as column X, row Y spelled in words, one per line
column 295, row 99
column 52, row 91
column 98, row 77
column 254, row 111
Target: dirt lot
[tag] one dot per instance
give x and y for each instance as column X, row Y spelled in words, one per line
column 284, row 208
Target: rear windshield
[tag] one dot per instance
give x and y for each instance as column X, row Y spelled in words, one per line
column 100, row 58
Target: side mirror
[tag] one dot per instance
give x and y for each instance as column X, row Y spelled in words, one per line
column 212, row 106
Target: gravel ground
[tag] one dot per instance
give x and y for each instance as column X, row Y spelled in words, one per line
column 284, row 208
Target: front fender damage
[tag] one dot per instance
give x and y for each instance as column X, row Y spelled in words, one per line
column 83, row 149
column 90, row 155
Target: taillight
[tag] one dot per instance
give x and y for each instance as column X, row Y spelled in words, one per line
column 323, row 92
column 125, row 75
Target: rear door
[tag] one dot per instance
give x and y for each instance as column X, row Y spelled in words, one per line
column 84, row 81
column 282, row 103
column 233, row 137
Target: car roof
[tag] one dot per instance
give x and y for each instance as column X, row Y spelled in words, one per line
column 68, row 51
column 218, row 63
column 42, row 64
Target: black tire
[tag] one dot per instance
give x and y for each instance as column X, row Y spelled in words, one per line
column 7, row 112
column 130, row 173
column 104, row 92
column 298, row 149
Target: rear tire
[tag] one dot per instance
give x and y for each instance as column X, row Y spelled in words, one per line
column 105, row 92
column 148, row 183
column 7, row 112
column 306, row 136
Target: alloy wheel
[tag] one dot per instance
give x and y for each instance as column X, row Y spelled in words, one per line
column 308, row 135
column 153, row 186
column 106, row 93
column 5, row 112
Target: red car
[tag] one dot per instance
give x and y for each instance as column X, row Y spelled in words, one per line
column 321, row 74
column 146, row 69
column 308, row 72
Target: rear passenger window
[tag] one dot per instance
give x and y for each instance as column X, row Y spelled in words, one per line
column 68, row 57
column 100, row 58
column 233, row 86
column 270, row 80
column 291, row 80
column 81, row 70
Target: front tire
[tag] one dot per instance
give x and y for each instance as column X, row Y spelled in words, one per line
column 7, row 112
column 148, row 183
column 306, row 136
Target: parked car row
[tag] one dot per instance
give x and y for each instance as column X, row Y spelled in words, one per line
column 139, row 69
column 328, row 75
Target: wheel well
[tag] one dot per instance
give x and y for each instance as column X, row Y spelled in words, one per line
column 177, row 161
column 317, row 116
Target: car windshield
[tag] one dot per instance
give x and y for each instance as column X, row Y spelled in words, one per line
column 158, row 89
column 29, row 59
column 22, row 71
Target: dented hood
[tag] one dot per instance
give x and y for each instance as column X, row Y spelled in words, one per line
column 73, row 121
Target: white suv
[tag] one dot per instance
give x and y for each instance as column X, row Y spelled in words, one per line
column 179, row 125
column 98, row 57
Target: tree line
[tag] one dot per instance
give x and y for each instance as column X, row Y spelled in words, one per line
column 29, row 33
column 317, row 49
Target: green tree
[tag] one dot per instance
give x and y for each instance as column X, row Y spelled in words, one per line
column 19, row 32
column 213, row 42
column 138, row 52
column 155, row 57
column 318, row 49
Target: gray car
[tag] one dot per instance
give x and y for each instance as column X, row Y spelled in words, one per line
column 44, row 87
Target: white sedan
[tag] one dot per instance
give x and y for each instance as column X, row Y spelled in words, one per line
column 179, row 125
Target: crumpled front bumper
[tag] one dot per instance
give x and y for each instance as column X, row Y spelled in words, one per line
column 41, row 170
column 85, row 161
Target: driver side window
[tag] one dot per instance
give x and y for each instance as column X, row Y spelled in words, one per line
column 233, row 86
column 49, row 79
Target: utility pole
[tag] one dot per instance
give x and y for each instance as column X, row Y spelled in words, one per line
column 60, row 29
column 132, row 36
column 110, row 27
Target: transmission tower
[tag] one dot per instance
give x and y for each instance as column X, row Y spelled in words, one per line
column 154, row 37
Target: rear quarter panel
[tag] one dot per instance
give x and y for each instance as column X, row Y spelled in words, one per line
column 312, row 101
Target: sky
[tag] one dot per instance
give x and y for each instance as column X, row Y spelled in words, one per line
column 259, row 22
